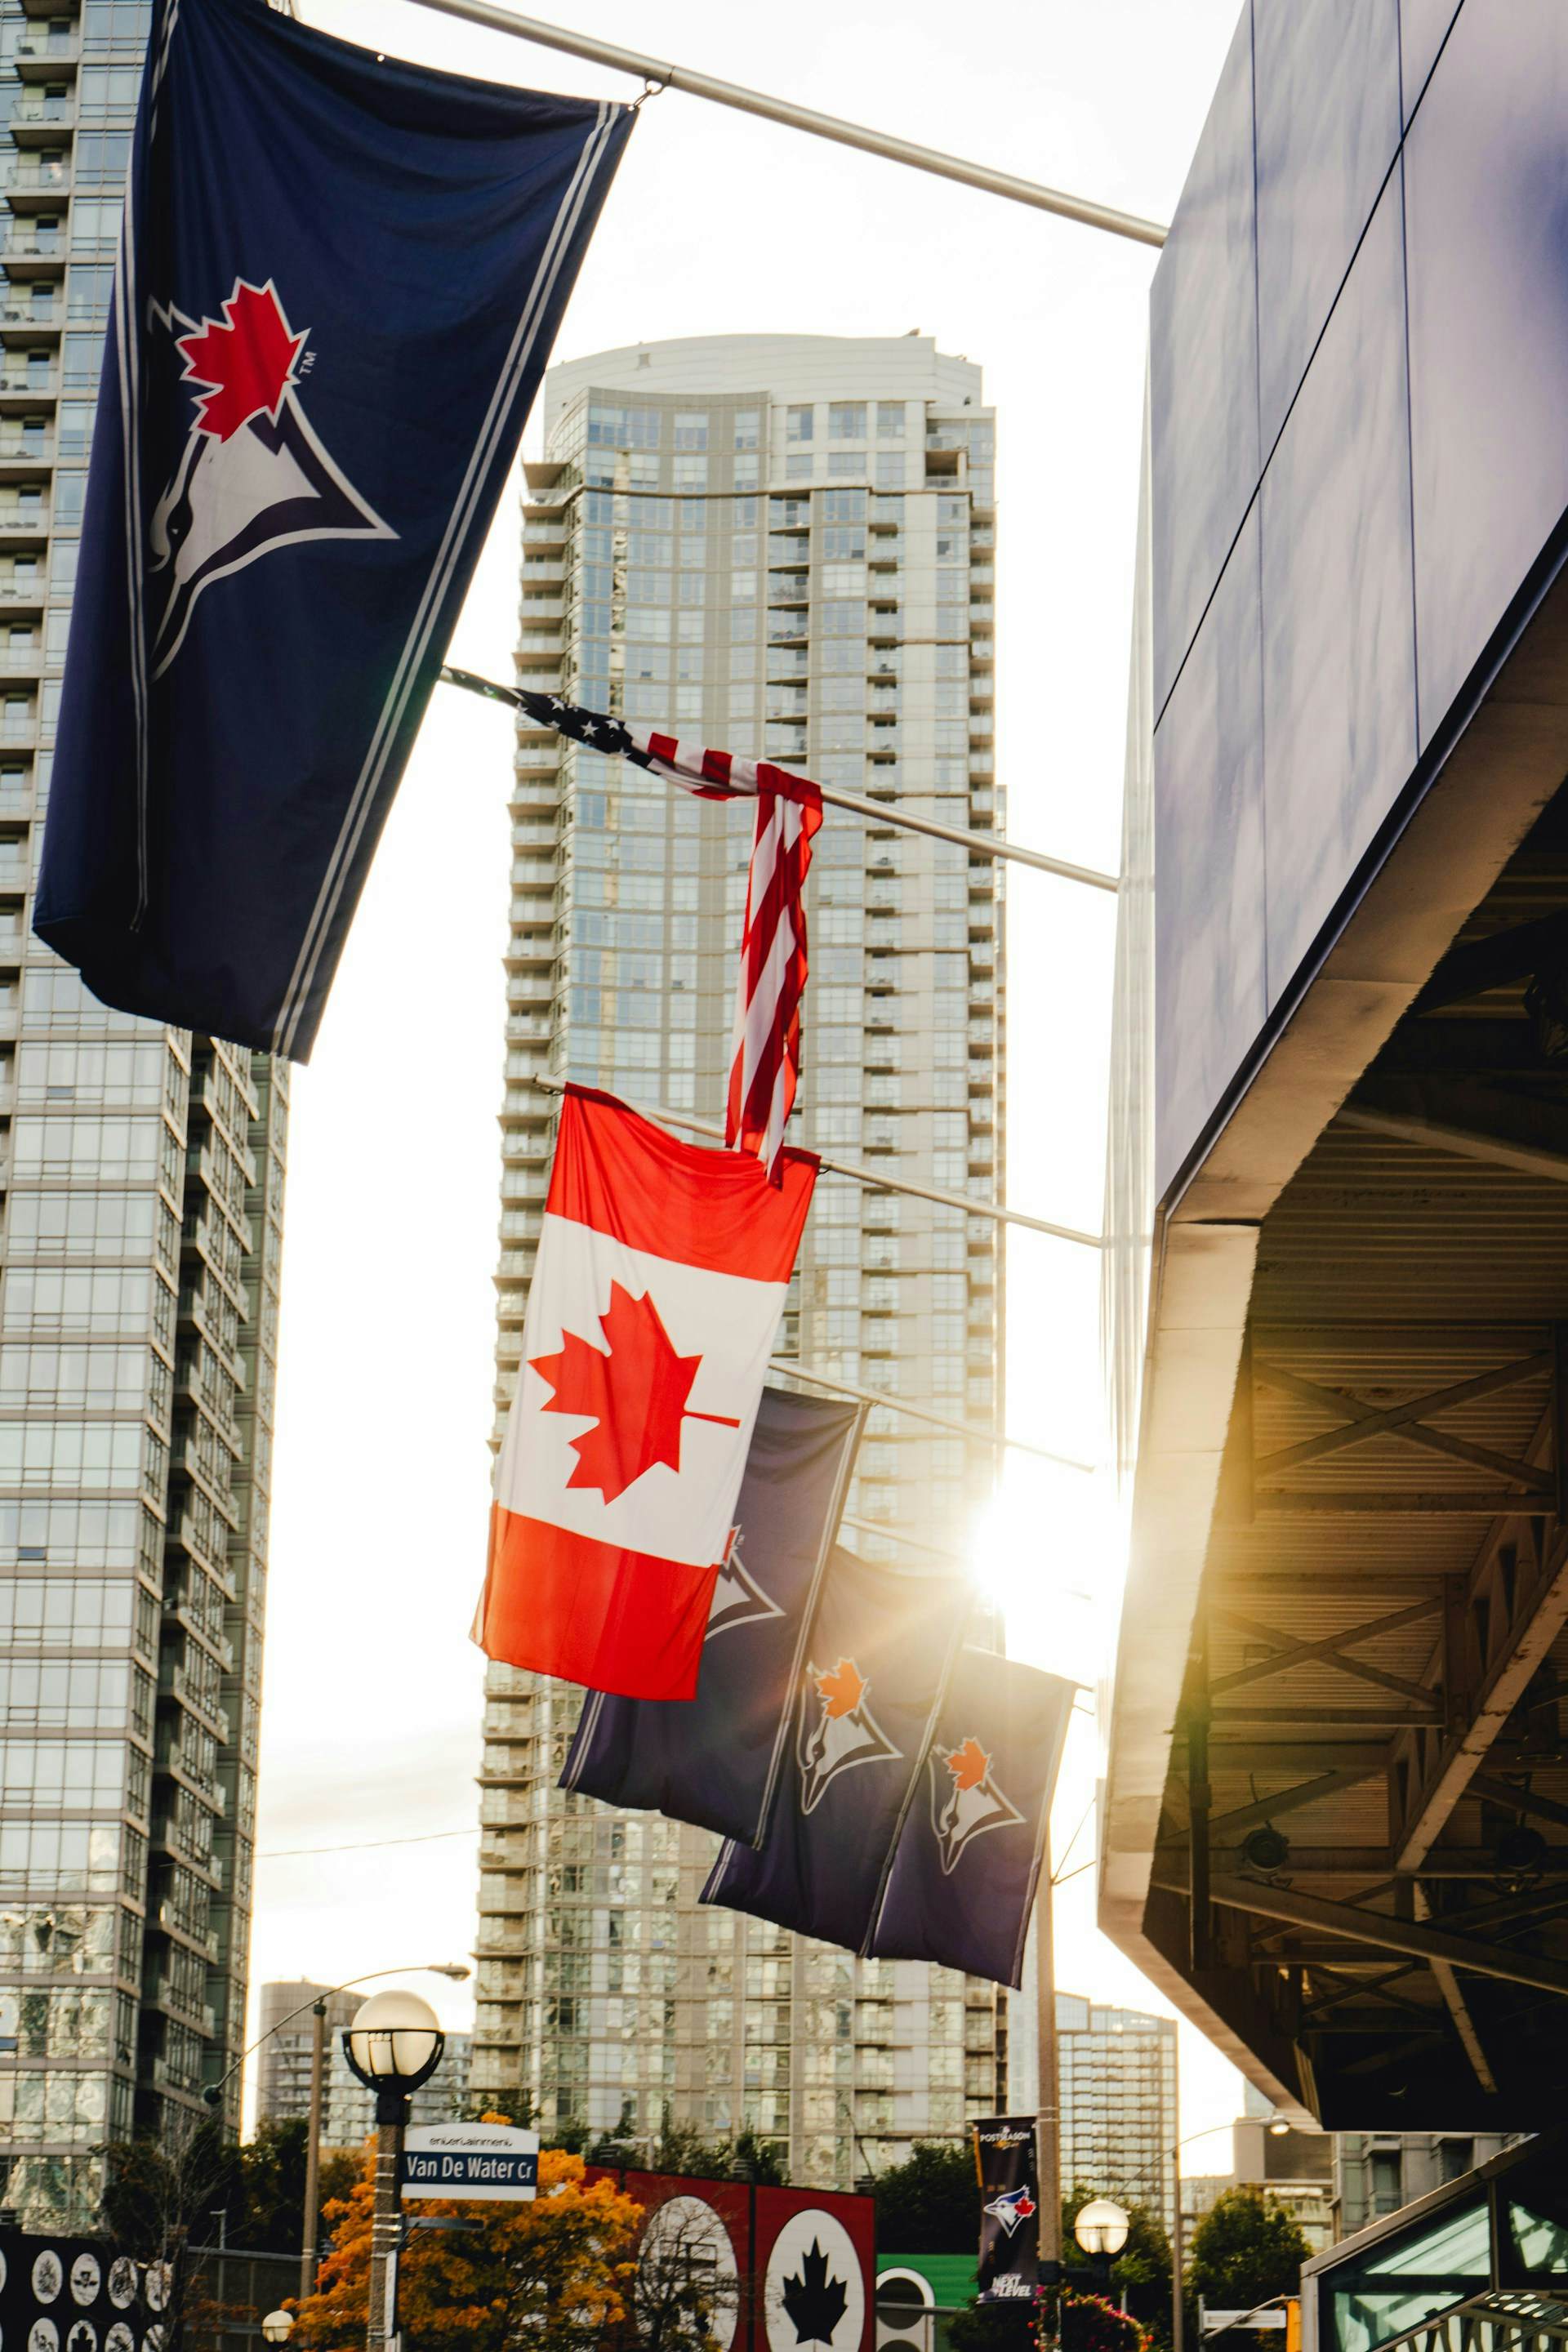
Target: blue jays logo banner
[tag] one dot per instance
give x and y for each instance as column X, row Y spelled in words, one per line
column 877, row 1660
column 715, row 1759
column 961, row 1885
column 1009, row 2209
column 338, row 283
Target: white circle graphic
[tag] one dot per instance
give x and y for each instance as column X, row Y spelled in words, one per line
column 86, row 2280
column 683, row 2239
column 83, row 2337
column 43, row 2337
column 49, row 2276
column 814, row 2292
column 157, row 2285
column 122, row 2282
column 120, row 2338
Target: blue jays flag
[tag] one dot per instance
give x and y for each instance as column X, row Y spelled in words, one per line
column 338, row 284
column 714, row 1759
column 963, row 1880
column 877, row 1660
column 1009, row 2265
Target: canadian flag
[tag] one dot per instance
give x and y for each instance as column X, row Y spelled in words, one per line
column 655, row 1304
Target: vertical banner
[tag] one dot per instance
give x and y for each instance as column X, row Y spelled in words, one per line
column 714, row 1759
column 1009, row 2209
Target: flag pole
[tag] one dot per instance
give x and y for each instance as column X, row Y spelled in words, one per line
column 1048, row 2126
column 993, row 1437
column 858, row 1174
column 658, row 75
column 877, row 812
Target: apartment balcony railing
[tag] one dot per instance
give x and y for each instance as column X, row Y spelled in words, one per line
column 28, row 176
column 34, row 108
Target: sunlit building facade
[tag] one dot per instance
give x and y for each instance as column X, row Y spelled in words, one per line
column 140, row 1255
column 1117, row 2071
column 783, row 546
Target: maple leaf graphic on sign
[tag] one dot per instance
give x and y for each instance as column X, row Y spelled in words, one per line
column 634, row 1390
column 247, row 358
column 814, row 2302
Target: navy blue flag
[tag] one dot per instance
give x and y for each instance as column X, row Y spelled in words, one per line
column 963, row 1880
column 338, row 281
column 1009, row 2265
column 867, row 1700
column 714, row 1759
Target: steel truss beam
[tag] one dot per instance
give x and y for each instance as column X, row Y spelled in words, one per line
column 1381, row 1933
column 1497, row 1631
column 1329, row 1650
column 1361, row 1421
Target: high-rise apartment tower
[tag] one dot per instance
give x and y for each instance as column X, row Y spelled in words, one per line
column 1117, row 2069
column 348, row 2105
column 140, row 1244
column 779, row 545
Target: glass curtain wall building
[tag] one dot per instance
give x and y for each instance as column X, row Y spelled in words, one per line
column 1117, row 2068
column 142, row 1171
column 781, row 546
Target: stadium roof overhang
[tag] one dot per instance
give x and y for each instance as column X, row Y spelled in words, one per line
column 1345, row 1620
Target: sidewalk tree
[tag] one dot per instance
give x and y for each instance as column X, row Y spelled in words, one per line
column 1247, row 2250
column 930, row 2204
column 552, row 2273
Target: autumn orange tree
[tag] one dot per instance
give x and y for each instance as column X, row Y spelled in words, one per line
column 555, row 2273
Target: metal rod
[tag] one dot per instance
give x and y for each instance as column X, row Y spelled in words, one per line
column 308, row 2236
column 859, row 1175
column 920, row 1413
column 806, row 118
column 878, row 813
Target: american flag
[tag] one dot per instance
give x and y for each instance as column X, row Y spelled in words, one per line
column 764, row 1068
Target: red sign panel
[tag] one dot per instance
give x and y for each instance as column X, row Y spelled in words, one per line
column 799, row 2265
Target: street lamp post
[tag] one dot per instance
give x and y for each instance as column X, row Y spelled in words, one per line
column 213, row 2095
column 1101, row 2229
column 1275, row 2125
column 393, row 2045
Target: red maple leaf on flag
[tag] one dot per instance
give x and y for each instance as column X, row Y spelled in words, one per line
column 635, row 1391
column 1025, row 2206
column 969, row 1764
column 843, row 1687
column 247, row 360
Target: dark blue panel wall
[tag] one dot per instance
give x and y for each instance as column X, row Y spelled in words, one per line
column 1487, row 167
column 1202, row 369
column 1208, row 850
column 1339, row 632
column 1421, row 25
column 1327, row 84
column 1350, row 481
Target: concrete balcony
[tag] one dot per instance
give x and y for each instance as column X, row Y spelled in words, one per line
column 31, row 181
column 38, row 122
column 37, row 256
column 24, row 321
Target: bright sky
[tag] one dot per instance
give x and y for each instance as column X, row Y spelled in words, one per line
column 719, row 224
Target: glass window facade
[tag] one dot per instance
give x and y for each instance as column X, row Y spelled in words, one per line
column 138, row 1268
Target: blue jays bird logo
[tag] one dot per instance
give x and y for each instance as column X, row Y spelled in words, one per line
column 1012, row 2208
column 965, row 1799
column 738, row 1597
column 252, row 476
column 837, row 1729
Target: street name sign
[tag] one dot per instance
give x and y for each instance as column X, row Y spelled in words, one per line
column 472, row 2162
